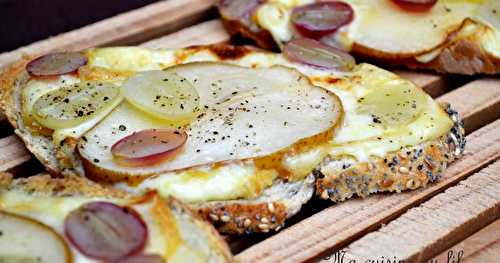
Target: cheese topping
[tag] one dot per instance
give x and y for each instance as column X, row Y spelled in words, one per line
column 360, row 134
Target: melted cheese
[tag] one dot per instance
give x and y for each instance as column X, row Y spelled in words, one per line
column 357, row 136
column 48, row 210
column 171, row 232
column 383, row 26
column 361, row 137
column 36, row 88
column 234, row 181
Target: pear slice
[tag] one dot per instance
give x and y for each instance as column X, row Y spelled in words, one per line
column 247, row 113
column 26, row 240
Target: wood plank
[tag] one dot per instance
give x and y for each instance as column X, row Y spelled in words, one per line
column 201, row 34
column 12, row 153
column 483, row 246
column 128, row 28
column 426, row 230
column 338, row 225
column 484, row 93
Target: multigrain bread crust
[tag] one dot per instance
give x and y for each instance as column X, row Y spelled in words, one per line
column 406, row 169
column 70, row 186
column 334, row 179
column 460, row 54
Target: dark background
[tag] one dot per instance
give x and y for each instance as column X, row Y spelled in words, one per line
column 25, row 21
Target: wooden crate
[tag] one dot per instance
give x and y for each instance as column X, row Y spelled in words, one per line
column 457, row 218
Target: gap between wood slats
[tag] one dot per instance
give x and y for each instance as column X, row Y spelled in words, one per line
column 482, row 246
column 426, row 230
column 128, row 28
column 340, row 224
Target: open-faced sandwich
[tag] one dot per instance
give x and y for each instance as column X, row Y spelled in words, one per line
column 244, row 136
column 44, row 219
column 451, row 36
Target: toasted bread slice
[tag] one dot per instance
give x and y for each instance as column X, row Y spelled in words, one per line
column 452, row 37
column 368, row 133
column 175, row 233
column 411, row 167
column 286, row 202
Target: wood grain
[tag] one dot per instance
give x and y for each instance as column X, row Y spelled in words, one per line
column 128, row 28
column 338, row 225
column 483, row 246
column 201, row 34
column 435, row 225
column 484, row 93
column 12, row 153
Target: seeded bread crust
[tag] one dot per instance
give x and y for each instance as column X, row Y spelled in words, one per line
column 406, row 169
column 459, row 55
column 263, row 214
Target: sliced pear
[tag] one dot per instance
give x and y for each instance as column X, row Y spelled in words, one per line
column 248, row 113
column 162, row 94
column 383, row 113
column 26, row 240
column 392, row 103
column 370, row 26
column 71, row 105
column 385, row 29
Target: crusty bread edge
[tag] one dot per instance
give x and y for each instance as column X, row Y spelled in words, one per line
column 262, row 214
column 406, row 169
column 12, row 80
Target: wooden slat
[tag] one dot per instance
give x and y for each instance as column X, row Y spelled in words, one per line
column 12, row 153
column 435, row 225
column 128, row 28
column 201, row 34
column 336, row 226
column 485, row 93
column 483, row 246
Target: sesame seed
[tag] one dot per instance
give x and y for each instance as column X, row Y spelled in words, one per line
column 403, row 170
column 270, row 207
column 324, row 195
column 263, row 227
column 247, row 222
column 214, row 217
